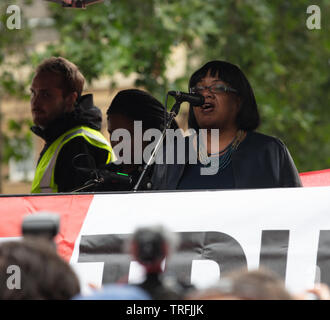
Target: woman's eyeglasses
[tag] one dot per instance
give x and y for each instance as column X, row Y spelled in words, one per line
column 214, row 88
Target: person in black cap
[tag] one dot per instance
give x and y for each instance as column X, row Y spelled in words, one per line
column 135, row 111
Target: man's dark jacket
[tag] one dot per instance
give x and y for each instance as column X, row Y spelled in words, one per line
column 66, row 175
column 260, row 161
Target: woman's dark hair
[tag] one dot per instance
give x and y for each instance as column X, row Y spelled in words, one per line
column 139, row 105
column 248, row 115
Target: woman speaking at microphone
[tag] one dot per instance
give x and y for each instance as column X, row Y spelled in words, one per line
column 235, row 156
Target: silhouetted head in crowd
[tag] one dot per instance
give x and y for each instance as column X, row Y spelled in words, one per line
column 32, row 270
column 149, row 246
column 262, row 284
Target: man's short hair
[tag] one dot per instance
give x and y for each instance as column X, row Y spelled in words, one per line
column 73, row 80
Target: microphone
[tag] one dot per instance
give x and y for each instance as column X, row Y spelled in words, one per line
column 192, row 98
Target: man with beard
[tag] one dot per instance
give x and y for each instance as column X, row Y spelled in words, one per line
column 69, row 123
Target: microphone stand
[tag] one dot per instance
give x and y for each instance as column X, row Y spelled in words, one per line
column 88, row 184
column 173, row 113
column 101, row 179
column 98, row 176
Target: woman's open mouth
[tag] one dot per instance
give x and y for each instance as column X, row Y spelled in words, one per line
column 207, row 107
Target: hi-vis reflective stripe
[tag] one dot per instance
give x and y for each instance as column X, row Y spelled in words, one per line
column 47, row 184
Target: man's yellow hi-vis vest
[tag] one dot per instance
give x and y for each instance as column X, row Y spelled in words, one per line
column 44, row 176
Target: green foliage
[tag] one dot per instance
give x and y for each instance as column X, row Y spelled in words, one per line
column 18, row 140
column 11, row 41
column 111, row 37
column 13, row 52
column 11, row 86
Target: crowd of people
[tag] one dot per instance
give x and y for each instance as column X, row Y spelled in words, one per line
column 42, row 274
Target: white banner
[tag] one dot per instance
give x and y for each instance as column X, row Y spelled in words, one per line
column 285, row 229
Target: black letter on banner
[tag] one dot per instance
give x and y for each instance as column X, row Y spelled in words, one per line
column 108, row 249
column 216, row 246
column 323, row 256
column 274, row 250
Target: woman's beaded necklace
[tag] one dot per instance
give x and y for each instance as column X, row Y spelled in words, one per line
column 225, row 155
